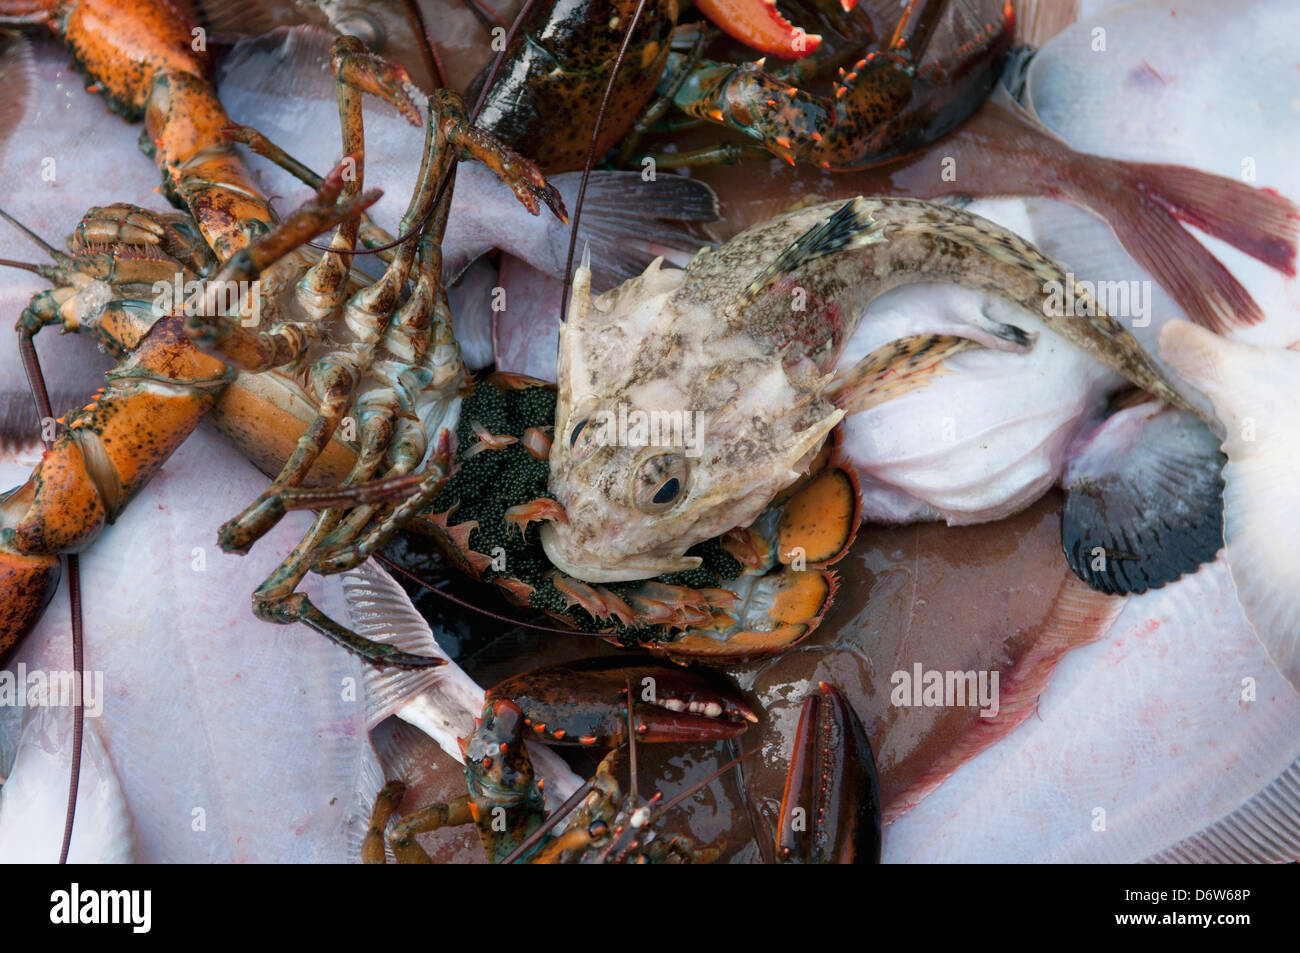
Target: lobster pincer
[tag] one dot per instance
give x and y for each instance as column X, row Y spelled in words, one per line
column 586, row 703
column 830, row 811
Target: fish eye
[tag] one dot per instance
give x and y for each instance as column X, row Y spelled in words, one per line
column 584, row 439
column 660, row 483
column 577, row 430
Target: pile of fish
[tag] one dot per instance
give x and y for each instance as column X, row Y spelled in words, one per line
column 1108, row 727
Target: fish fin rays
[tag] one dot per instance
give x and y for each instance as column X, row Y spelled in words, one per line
column 852, row 226
column 1144, row 501
column 381, row 611
column 1266, row 829
column 1079, row 615
column 17, row 79
column 893, row 369
column 630, row 222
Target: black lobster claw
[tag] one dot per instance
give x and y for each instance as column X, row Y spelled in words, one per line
column 830, row 811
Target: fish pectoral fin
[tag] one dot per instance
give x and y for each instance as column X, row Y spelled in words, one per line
column 1144, row 501
column 896, row 368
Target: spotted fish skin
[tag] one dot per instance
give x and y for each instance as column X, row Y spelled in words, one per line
column 745, row 342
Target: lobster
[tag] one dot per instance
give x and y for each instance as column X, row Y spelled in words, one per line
column 830, row 809
column 883, row 105
column 201, row 348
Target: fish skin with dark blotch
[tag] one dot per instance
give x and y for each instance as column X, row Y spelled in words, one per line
column 725, row 340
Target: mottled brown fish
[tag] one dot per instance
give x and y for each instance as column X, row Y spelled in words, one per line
column 688, row 399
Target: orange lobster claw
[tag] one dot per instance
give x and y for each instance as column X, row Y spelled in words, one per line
column 759, row 24
column 29, row 583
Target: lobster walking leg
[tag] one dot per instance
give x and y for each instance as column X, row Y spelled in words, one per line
column 110, row 449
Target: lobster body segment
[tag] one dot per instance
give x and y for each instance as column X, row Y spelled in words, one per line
column 558, row 65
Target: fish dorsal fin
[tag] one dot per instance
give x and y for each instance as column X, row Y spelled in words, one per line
column 852, row 226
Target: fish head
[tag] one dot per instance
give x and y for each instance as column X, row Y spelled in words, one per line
column 668, row 431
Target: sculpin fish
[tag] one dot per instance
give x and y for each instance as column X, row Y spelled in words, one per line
column 689, row 399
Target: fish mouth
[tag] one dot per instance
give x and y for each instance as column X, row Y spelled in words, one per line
column 644, row 566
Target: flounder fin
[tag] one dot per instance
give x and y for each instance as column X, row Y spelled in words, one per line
column 20, row 426
column 1266, row 829
column 241, row 18
column 893, row 369
column 1079, row 615
column 1254, row 391
column 17, row 79
column 1037, row 21
column 1144, row 500
column 382, row 611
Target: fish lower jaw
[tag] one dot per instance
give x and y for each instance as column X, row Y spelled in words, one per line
column 628, row 570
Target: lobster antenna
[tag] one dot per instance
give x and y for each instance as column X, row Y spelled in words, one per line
column 548, row 825
column 591, row 158
column 631, row 739
column 428, row 52
column 473, row 116
column 36, row 382
column 486, row 16
column 623, row 840
column 465, row 603
column 24, row 265
column 46, row 246
column 699, row 786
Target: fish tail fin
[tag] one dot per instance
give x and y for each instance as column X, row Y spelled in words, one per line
column 1144, row 500
column 1259, row 222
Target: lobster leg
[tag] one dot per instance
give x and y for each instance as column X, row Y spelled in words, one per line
column 107, row 451
column 406, row 849
column 276, row 601
column 149, row 59
column 370, row 310
column 371, row 235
